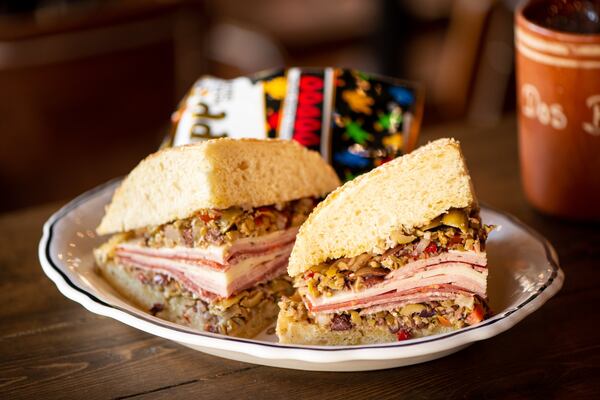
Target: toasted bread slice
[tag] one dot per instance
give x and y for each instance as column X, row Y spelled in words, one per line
column 363, row 214
column 174, row 183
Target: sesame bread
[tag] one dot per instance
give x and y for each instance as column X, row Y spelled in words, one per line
column 363, row 214
column 176, row 182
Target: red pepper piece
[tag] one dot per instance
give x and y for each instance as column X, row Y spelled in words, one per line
column 431, row 249
column 205, row 218
column 403, row 334
column 476, row 315
column 456, row 239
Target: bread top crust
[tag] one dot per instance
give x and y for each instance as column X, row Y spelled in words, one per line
column 401, row 195
column 176, row 182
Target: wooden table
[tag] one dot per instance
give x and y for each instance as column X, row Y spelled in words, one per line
column 51, row 347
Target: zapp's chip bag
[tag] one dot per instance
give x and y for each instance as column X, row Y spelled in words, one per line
column 356, row 120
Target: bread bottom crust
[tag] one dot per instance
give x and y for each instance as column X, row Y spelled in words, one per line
column 186, row 310
column 291, row 331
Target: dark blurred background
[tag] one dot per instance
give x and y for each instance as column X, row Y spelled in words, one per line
column 87, row 86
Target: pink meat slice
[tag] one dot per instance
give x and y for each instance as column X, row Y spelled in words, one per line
column 201, row 275
column 217, row 257
column 398, row 289
column 205, row 289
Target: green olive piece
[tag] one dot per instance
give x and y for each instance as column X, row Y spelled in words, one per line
column 433, row 224
column 412, row 309
column 456, row 219
column 312, row 288
column 355, row 317
column 250, row 302
column 401, row 238
column 228, row 218
column 321, row 268
column 230, row 301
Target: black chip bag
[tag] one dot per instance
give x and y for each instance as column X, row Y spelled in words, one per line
column 356, row 120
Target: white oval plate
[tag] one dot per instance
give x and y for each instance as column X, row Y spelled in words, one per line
column 523, row 267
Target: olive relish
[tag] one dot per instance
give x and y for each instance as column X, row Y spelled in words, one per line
column 412, row 320
column 455, row 230
column 221, row 315
column 217, row 227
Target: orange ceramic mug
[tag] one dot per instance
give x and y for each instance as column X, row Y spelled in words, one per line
column 558, row 89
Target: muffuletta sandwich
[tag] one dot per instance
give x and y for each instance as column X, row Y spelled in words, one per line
column 202, row 233
column 397, row 253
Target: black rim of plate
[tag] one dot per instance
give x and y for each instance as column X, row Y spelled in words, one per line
column 75, row 203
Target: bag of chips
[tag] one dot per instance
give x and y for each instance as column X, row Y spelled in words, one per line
column 356, row 120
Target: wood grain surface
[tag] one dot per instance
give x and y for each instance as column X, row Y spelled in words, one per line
column 51, row 347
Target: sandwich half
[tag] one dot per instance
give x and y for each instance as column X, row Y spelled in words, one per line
column 202, row 233
column 395, row 254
